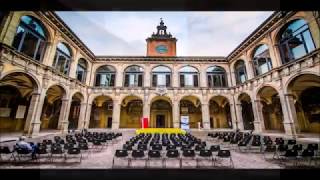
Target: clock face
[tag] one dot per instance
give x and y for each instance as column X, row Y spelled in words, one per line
column 162, row 49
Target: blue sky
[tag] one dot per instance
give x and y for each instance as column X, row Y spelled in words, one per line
column 198, row 33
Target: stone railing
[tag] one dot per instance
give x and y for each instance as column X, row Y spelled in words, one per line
column 275, row 74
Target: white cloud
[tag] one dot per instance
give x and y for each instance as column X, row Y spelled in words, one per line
column 198, row 33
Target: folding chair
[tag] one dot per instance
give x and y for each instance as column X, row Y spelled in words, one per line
column 188, row 156
column 172, row 155
column 224, row 154
column 74, row 152
column 205, row 155
column 5, row 150
column 57, row 150
column 137, row 155
column 121, row 155
column 154, row 155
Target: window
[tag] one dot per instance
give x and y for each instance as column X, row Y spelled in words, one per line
column 261, row 60
column 295, row 41
column 216, row 77
column 30, row 38
column 188, row 77
column 62, row 58
column 105, row 76
column 133, row 76
column 240, row 72
column 161, row 76
column 82, row 70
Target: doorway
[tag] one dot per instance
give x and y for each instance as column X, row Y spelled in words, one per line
column 160, row 121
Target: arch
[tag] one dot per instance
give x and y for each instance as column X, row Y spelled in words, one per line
column 101, row 112
column 82, row 68
column 105, row 75
column 306, row 101
column 32, row 77
column 161, row 112
column 295, row 40
column 246, row 111
column 188, row 68
column 271, row 109
column 161, row 68
column 296, row 75
column 190, row 106
column 133, row 76
column 134, row 68
column 74, row 111
column 219, row 112
column 216, row 76
column 78, row 95
column 63, row 57
column 157, row 97
column 240, row 71
column 261, row 86
column 131, row 112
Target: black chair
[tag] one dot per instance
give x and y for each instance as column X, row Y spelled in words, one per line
column 23, row 153
column 188, row 155
column 142, row 147
column 137, row 155
column 289, row 155
column 57, row 150
column 5, row 150
column 205, row 155
column 269, row 149
column 225, row 154
column 291, row 142
column 154, row 155
column 121, row 154
column 74, row 152
column 171, row 147
column 281, row 150
column 42, row 151
column 157, row 147
column 307, row 155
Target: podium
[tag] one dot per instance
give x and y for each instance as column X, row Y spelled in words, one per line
column 144, row 123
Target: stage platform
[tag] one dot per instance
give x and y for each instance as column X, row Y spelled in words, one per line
column 161, row 131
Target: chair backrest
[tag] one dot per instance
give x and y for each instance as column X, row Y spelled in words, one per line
column 172, row 153
column 171, row 147
column 188, row 153
column 83, row 146
column 137, row 153
column 157, row 147
column 283, row 147
column 205, row 153
column 56, row 150
column 270, row 148
column 42, row 150
column 154, row 154
column 215, row 148
column 307, row 153
column 297, row 147
column 74, row 150
column 121, row 153
column 224, row 153
column 313, row 146
column 5, row 150
column 291, row 153
column 22, row 150
column 292, row 141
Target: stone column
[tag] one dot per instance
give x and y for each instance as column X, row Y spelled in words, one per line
column 175, row 77
column 239, row 116
column 88, row 115
column 147, row 75
column 258, row 120
column 203, row 78
column 51, row 48
column 288, row 121
column 116, row 114
column 233, row 78
column 64, row 112
column 176, row 115
column 119, row 78
column 32, row 125
column 205, row 116
column 233, row 116
column 82, row 115
column 292, row 111
column 146, row 110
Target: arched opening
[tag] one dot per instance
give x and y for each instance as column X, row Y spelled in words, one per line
column 62, row 58
column 131, row 112
column 246, row 111
column 31, row 38
column 101, row 112
column 216, row 77
column 15, row 94
column 133, row 76
column 52, row 107
column 240, row 72
column 105, row 76
column 74, row 113
column 261, row 60
column 189, row 77
column 190, row 107
column 295, row 40
column 220, row 115
column 305, row 89
column 271, row 109
column 161, row 113
column 161, row 76
column 82, row 70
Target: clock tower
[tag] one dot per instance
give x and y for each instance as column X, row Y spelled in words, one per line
column 161, row 43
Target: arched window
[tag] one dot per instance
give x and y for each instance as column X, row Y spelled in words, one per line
column 240, row 72
column 30, row 38
column 261, row 60
column 133, row 76
column 105, row 76
column 295, row 41
column 62, row 58
column 189, row 77
column 161, row 76
column 216, row 77
column 82, row 70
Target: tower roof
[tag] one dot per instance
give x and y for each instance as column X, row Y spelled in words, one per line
column 161, row 32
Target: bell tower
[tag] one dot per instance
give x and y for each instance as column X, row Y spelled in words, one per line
column 161, row 43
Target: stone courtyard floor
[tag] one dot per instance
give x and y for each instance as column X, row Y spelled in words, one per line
column 103, row 159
